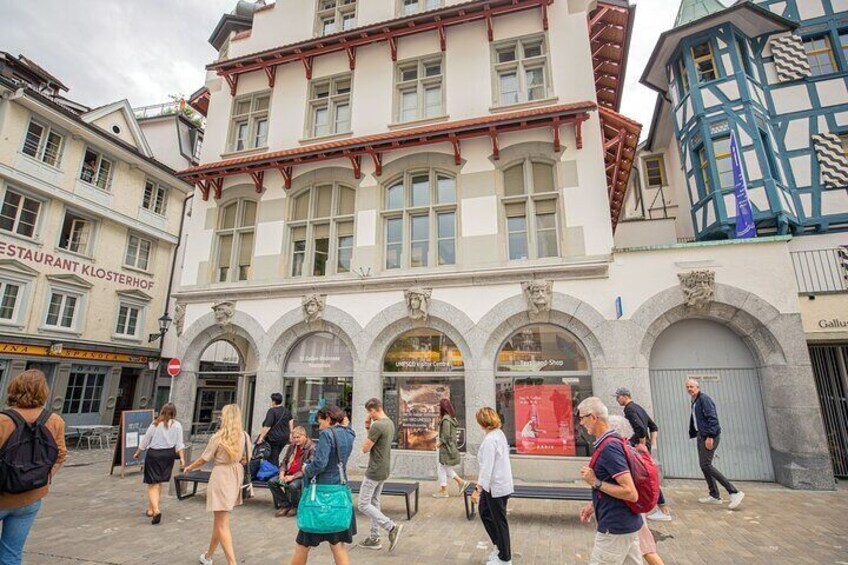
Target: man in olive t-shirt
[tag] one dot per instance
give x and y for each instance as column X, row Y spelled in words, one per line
column 381, row 432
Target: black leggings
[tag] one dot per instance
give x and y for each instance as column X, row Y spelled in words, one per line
column 493, row 515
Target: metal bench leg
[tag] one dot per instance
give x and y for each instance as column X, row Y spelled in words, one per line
column 408, row 510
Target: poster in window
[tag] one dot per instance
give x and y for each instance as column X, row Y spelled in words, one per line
column 419, row 415
column 543, row 420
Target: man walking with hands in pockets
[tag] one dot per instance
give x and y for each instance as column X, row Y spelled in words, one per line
column 381, row 432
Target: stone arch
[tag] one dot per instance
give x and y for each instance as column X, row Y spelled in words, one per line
column 746, row 314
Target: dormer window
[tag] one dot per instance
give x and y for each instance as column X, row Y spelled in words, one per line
column 335, row 15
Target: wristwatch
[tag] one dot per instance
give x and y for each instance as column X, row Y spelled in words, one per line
column 597, row 485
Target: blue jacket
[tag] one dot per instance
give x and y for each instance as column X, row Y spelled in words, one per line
column 325, row 463
column 704, row 413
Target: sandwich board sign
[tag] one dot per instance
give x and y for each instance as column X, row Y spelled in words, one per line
column 134, row 424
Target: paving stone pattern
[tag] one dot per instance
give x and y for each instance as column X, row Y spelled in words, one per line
column 92, row 518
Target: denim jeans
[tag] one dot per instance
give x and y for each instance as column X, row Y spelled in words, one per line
column 369, row 504
column 16, row 523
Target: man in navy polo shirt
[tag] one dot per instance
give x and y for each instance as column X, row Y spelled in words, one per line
column 616, row 542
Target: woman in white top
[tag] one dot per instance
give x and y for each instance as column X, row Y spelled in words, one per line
column 163, row 443
column 494, row 485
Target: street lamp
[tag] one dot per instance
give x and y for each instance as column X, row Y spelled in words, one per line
column 164, row 324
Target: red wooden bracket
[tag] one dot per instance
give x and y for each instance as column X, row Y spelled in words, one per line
column 496, row 150
column 307, row 64
column 578, row 130
column 557, row 144
column 377, row 158
column 232, row 80
column 356, row 161
column 217, row 186
column 271, row 73
column 392, row 44
column 257, row 181
column 457, row 150
column 599, row 16
column 489, row 29
column 287, row 176
column 443, row 43
column 544, row 5
column 351, row 56
column 203, row 186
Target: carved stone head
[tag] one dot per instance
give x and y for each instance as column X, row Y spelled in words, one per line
column 224, row 312
column 418, row 302
column 698, row 288
column 539, row 295
column 179, row 317
column 313, row 307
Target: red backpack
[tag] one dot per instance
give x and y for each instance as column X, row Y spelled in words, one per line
column 644, row 471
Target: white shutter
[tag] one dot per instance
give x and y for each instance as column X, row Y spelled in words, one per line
column 790, row 60
column 833, row 163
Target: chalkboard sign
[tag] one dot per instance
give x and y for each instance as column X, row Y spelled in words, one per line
column 134, row 424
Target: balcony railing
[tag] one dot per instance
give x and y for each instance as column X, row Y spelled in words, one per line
column 820, row 271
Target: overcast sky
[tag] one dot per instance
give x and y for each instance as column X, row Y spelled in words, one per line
column 144, row 50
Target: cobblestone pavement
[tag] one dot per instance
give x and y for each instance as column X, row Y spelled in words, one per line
column 92, row 518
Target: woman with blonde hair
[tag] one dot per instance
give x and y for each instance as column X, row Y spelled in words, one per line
column 163, row 442
column 494, row 485
column 228, row 449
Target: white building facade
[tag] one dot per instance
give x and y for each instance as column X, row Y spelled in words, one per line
column 411, row 200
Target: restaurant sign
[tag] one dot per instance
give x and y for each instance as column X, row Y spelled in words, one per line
column 72, row 266
column 64, row 353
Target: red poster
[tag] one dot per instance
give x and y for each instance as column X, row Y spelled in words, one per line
column 544, row 423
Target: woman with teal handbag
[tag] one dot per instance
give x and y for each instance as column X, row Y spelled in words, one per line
column 325, row 512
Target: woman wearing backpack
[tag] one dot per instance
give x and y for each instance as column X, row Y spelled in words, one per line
column 164, row 443
column 448, row 450
column 229, row 449
column 26, row 396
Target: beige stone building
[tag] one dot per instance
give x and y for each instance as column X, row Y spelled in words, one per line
column 89, row 224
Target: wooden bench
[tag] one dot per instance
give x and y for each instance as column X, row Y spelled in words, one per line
column 409, row 491
column 535, row 492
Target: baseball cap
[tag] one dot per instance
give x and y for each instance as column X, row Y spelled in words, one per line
column 622, row 391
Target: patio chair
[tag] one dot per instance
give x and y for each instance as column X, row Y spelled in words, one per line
column 110, row 436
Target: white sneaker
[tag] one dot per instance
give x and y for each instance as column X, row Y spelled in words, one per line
column 710, row 500
column 441, row 494
column 493, row 554
column 205, row 560
column 659, row 516
column 736, row 500
column 497, row 561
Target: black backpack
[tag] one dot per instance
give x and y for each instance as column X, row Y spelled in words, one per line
column 28, row 455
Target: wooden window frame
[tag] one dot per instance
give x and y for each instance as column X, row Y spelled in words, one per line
column 663, row 178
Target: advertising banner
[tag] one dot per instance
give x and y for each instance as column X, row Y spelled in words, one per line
column 544, row 422
column 418, row 423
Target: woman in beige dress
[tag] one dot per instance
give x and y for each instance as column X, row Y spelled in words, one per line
column 228, row 450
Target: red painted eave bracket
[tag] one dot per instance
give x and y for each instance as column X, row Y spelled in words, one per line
column 377, row 158
column 271, row 73
column 258, row 177
column 356, row 162
column 287, row 176
column 232, row 81
column 457, row 150
column 496, row 150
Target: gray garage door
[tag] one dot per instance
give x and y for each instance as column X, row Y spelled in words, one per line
column 743, row 453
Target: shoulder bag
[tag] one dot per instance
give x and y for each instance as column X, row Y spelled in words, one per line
column 327, row 509
column 247, row 480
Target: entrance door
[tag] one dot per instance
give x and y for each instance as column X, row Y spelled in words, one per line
column 126, row 392
column 830, row 367
column 726, row 371
column 250, row 397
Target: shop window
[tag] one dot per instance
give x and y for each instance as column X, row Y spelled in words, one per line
column 85, row 389
column 542, row 373
column 419, row 89
column 705, row 68
column 221, row 366
column 249, row 123
column 530, row 204
column 321, row 228
column 329, row 106
column 420, row 368
column 19, row 214
column 420, row 220
column 236, row 227
column 335, row 15
column 139, row 250
column 522, row 70
column 655, row 171
column 820, row 55
column 318, row 372
column 155, row 197
column 96, row 169
column 77, row 234
column 43, row 143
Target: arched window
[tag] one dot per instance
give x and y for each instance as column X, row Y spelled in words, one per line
column 236, row 227
column 420, row 220
column 542, row 374
column 420, row 368
column 530, row 203
column 321, row 228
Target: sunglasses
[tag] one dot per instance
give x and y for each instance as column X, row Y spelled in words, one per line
column 581, row 418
